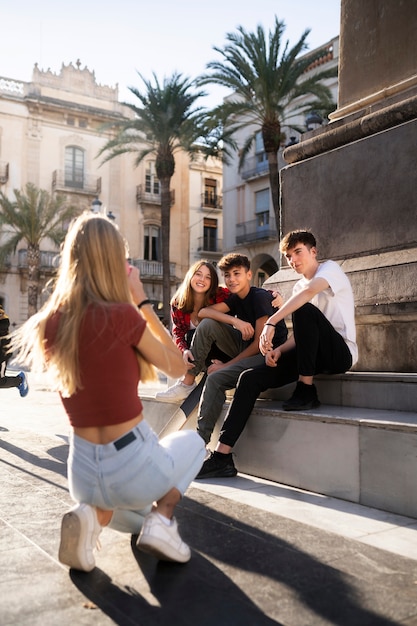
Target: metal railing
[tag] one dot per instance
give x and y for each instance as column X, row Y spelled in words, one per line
column 151, row 198
column 49, row 259
column 253, row 167
column 211, row 200
column 209, row 245
column 89, row 184
column 247, row 232
column 151, row 269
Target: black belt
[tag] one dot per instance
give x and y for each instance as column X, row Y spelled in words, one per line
column 124, row 441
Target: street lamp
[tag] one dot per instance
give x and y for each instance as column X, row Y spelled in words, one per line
column 96, row 206
column 313, row 120
column 111, row 215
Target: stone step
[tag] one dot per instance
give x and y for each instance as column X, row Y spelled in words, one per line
column 369, row 390
column 360, row 445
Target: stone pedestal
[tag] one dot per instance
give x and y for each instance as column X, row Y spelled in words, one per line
column 354, row 182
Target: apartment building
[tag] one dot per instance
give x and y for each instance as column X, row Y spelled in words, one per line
column 51, row 131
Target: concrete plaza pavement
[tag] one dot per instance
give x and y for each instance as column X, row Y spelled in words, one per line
column 263, row 553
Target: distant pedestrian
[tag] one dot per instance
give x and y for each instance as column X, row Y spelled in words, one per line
column 6, row 382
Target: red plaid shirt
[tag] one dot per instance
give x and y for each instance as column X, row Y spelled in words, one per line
column 181, row 322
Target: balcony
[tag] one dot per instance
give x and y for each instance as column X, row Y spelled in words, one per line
column 251, row 231
column 254, row 167
column 147, row 197
column 87, row 184
column 4, row 172
column 49, row 260
column 209, row 246
column 151, row 269
column 211, row 200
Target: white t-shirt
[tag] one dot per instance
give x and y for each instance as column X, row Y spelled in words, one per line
column 336, row 303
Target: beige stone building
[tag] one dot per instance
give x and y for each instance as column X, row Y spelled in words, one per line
column 249, row 221
column 50, row 135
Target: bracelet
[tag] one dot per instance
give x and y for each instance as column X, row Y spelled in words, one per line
column 269, row 324
column 141, row 304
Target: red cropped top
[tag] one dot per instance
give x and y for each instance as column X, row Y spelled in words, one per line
column 108, row 364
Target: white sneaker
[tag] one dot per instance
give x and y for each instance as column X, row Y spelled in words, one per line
column 176, row 393
column 162, row 541
column 80, row 530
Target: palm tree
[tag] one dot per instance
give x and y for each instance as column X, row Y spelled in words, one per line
column 34, row 216
column 266, row 82
column 163, row 123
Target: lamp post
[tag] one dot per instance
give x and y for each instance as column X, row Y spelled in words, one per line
column 313, row 120
column 96, row 206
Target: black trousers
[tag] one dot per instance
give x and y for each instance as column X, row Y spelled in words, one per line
column 319, row 349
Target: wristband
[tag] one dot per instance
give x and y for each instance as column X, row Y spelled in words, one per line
column 141, row 304
column 269, row 324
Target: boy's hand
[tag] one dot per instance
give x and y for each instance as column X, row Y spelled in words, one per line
column 215, row 366
column 245, row 328
column 272, row 356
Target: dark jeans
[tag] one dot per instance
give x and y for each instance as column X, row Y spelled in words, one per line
column 320, row 349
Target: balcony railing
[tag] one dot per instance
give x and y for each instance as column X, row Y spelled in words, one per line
column 4, row 172
column 88, row 184
column 49, row 259
column 151, row 198
column 247, row 232
column 211, row 200
column 254, row 167
column 209, row 245
column 151, row 269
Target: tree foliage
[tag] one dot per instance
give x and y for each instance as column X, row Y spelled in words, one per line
column 32, row 217
column 269, row 81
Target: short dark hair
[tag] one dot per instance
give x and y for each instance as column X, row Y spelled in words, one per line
column 233, row 260
column 297, row 236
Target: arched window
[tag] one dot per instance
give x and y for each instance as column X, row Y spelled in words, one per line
column 151, row 246
column 74, row 167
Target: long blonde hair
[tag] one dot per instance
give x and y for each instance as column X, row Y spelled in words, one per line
column 183, row 298
column 92, row 271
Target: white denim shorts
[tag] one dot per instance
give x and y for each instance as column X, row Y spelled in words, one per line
column 129, row 474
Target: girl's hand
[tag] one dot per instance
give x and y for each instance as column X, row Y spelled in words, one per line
column 188, row 358
column 265, row 339
column 135, row 285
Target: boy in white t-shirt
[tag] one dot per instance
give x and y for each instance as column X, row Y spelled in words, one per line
column 323, row 341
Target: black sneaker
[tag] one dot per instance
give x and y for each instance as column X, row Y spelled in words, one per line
column 303, row 398
column 218, row 465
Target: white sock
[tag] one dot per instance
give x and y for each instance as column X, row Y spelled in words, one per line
column 166, row 521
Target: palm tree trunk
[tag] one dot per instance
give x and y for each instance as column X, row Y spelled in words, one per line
column 33, row 260
column 165, row 234
column 275, row 189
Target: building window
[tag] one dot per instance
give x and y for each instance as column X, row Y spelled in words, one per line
column 151, row 243
column 210, row 192
column 210, row 235
column 74, row 167
column 261, row 278
column 262, row 209
column 151, row 181
column 260, row 153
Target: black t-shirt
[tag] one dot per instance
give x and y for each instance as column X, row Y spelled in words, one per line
column 258, row 303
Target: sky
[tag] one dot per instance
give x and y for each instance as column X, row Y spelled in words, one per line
column 119, row 38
